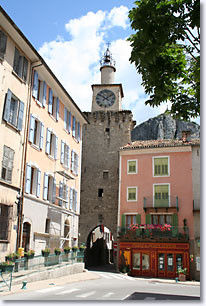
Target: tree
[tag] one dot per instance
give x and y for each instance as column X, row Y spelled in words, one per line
column 166, row 52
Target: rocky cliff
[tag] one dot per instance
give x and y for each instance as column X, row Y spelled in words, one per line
column 164, row 127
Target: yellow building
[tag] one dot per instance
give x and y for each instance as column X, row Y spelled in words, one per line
column 40, row 149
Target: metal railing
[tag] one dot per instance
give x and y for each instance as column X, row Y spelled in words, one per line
column 147, row 231
column 152, row 202
column 39, row 261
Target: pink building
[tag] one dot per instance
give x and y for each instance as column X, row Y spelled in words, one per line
column 156, row 194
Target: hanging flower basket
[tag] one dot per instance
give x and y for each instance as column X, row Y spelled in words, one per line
column 75, row 249
column 67, row 250
column 6, row 266
column 57, row 251
column 29, row 254
column 45, row 252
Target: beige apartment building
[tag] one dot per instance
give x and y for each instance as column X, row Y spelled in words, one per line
column 40, row 151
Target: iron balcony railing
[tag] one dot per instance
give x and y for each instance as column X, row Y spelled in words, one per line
column 153, row 231
column 154, row 202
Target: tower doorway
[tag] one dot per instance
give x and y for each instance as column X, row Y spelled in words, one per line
column 99, row 249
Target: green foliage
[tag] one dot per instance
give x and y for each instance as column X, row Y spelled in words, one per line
column 182, row 270
column 166, row 52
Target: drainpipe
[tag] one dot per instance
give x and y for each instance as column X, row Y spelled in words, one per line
column 24, row 153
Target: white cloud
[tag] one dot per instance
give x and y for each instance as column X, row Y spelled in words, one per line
column 75, row 61
column 118, row 16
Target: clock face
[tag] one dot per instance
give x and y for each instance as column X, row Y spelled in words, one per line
column 105, row 98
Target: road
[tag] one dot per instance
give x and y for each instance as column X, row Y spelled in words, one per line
column 111, row 286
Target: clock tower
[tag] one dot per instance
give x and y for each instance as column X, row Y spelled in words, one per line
column 109, row 129
column 107, row 96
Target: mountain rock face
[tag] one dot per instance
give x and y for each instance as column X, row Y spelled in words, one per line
column 164, row 127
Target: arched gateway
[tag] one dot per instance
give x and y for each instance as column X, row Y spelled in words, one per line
column 109, row 129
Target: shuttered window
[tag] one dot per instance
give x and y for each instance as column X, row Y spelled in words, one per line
column 3, row 42
column 53, row 107
column 13, row 110
column 33, row 180
column 132, row 194
column 132, row 166
column 36, row 132
column 161, row 195
column 130, row 219
column 7, row 164
column 20, row 65
column 161, row 166
column 51, row 144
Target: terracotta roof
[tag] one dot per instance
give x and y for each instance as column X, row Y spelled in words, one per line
column 142, row 144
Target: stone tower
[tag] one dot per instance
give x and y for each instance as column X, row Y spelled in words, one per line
column 109, row 129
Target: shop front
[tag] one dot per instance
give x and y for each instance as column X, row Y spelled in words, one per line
column 154, row 259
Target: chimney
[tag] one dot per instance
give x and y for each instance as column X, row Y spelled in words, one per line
column 186, row 136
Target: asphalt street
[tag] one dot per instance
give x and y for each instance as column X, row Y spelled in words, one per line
column 110, row 286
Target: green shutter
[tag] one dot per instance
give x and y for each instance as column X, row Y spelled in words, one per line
column 148, row 219
column 174, row 225
column 138, row 219
column 123, row 220
column 161, row 166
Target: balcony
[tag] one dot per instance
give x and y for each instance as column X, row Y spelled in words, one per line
column 169, row 202
column 156, row 232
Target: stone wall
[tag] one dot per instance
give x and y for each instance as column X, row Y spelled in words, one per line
column 102, row 138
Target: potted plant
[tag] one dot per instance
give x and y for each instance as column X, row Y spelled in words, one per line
column 45, row 252
column 182, row 274
column 30, row 254
column 82, row 248
column 7, row 266
column 74, row 249
column 67, row 250
column 57, row 251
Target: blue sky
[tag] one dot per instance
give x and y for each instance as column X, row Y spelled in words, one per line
column 72, row 35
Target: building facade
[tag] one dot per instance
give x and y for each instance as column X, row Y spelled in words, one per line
column 109, row 128
column 41, row 137
column 156, row 223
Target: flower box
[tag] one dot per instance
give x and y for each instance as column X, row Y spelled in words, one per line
column 6, row 268
column 182, row 277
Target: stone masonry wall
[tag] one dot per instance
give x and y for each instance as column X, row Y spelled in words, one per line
column 102, row 138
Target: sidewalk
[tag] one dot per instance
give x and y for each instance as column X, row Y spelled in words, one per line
column 78, row 277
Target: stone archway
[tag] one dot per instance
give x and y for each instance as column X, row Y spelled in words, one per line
column 99, row 245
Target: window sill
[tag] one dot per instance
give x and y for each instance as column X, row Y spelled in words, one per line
column 132, row 173
column 38, row 102
column 53, row 117
column 75, row 139
column 168, row 175
column 4, row 241
column 12, row 126
column 67, row 131
column 50, row 157
column 18, row 77
column 35, row 147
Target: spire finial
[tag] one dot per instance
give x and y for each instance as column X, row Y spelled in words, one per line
column 107, row 59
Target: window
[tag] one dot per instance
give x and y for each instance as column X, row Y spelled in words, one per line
column 161, row 195
column 39, row 90
column 53, row 107
column 76, row 129
column 5, row 221
column 100, row 193
column 132, row 194
column 160, row 166
column 49, row 190
column 20, row 65
column 73, row 199
column 51, row 144
column 3, row 42
column 63, row 194
column 130, row 219
column 7, row 164
column 36, row 132
column 47, row 226
column 33, row 180
column 67, row 120
column 13, row 110
column 161, row 219
column 64, row 159
column 74, row 162
column 132, row 166
column 105, row 174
